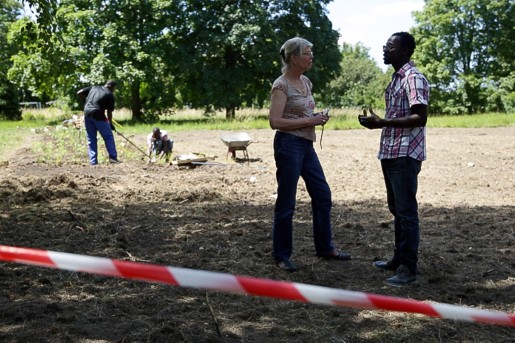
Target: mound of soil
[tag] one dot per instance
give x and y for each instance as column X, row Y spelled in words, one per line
column 217, row 216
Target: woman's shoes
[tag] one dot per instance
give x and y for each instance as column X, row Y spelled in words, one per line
column 289, row 266
column 286, row 265
column 337, row 255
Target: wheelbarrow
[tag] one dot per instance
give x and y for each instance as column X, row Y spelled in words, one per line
column 236, row 141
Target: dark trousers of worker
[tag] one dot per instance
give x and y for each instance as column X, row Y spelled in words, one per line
column 159, row 145
column 401, row 180
column 295, row 157
column 104, row 128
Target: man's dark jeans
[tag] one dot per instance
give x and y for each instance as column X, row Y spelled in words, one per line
column 401, row 179
column 92, row 127
column 295, row 157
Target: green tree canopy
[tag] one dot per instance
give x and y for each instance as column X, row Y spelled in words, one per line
column 95, row 41
column 465, row 48
column 229, row 50
column 9, row 106
column 361, row 82
column 206, row 54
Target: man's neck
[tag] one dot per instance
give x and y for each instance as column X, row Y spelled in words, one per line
column 398, row 66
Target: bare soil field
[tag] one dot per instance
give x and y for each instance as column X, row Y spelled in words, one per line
column 218, row 217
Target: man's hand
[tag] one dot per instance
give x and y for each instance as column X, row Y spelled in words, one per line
column 373, row 121
column 112, row 126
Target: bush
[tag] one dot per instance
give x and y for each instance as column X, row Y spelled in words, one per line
column 9, row 105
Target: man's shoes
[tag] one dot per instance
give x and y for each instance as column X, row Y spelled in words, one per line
column 286, row 265
column 113, row 161
column 403, row 277
column 337, row 255
column 384, row 265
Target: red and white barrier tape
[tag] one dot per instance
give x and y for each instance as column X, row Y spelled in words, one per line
column 183, row 277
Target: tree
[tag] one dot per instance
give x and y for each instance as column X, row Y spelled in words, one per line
column 229, row 50
column 45, row 11
column 135, row 45
column 210, row 54
column 361, row 82
column 9, row 104
column 88, row 42
column 465, row 48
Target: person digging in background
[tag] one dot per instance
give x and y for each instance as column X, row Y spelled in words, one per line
column 402, row 150
column 98, row 101
column 159, row 145
column 292, row 116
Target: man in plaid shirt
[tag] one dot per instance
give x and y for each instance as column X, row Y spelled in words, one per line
column 401, row 152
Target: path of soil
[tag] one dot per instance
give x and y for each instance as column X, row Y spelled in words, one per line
column 218, row 218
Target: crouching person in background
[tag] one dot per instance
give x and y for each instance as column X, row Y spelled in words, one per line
column 159, row 145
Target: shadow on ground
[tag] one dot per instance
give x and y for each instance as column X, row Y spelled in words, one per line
column 466, row 258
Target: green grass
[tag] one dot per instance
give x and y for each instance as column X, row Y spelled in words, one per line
column 473, row 121
column 13, row 134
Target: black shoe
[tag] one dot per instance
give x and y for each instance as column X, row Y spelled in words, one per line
column 383, row 265
column 403, row 277
column 286, row 265
column 337, row 255
column 114, row 161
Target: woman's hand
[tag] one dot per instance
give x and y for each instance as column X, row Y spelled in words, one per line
column 320, row 118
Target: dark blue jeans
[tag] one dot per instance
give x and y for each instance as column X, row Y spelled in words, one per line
column 295, row 157
column 92, row 127
column 401, row 179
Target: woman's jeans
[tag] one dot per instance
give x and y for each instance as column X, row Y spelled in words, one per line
column 400, row 176
column 92, row 127
column 295, row 157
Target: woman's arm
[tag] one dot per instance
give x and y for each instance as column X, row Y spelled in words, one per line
column 276, row 120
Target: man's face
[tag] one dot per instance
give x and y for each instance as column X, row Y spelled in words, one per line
column 392, row 51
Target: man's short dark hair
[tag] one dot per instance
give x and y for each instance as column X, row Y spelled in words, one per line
column 407, row 41
column 110, row 84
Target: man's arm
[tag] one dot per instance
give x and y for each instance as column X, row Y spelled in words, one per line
column 83, row 93
column 418, row 117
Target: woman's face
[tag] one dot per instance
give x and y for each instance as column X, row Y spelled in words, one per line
column 305, row 60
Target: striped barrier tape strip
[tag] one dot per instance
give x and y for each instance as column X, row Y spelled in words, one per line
column 222, row 282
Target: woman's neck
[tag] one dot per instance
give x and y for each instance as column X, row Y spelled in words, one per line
column 292, row 75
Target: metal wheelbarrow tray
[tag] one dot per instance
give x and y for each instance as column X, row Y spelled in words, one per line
column 236, row 141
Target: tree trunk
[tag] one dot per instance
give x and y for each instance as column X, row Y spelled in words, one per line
column 230, row 113
column 137, row 115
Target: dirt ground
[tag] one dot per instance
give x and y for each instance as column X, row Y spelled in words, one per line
column 218, row 217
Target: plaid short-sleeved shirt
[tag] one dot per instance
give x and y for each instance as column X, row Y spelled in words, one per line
column 407, row 88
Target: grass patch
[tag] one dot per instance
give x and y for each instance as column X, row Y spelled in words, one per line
column 473, row 121
column 14, row 134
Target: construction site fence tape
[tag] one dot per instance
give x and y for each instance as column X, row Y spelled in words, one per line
column 216, row 281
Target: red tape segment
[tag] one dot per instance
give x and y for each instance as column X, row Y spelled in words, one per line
column 184, row 277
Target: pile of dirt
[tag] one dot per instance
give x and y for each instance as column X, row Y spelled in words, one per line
column 218, row 216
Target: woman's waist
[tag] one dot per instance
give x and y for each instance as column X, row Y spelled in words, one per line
column 303, row 133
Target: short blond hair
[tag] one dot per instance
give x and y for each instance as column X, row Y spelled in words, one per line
column 292, row 47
